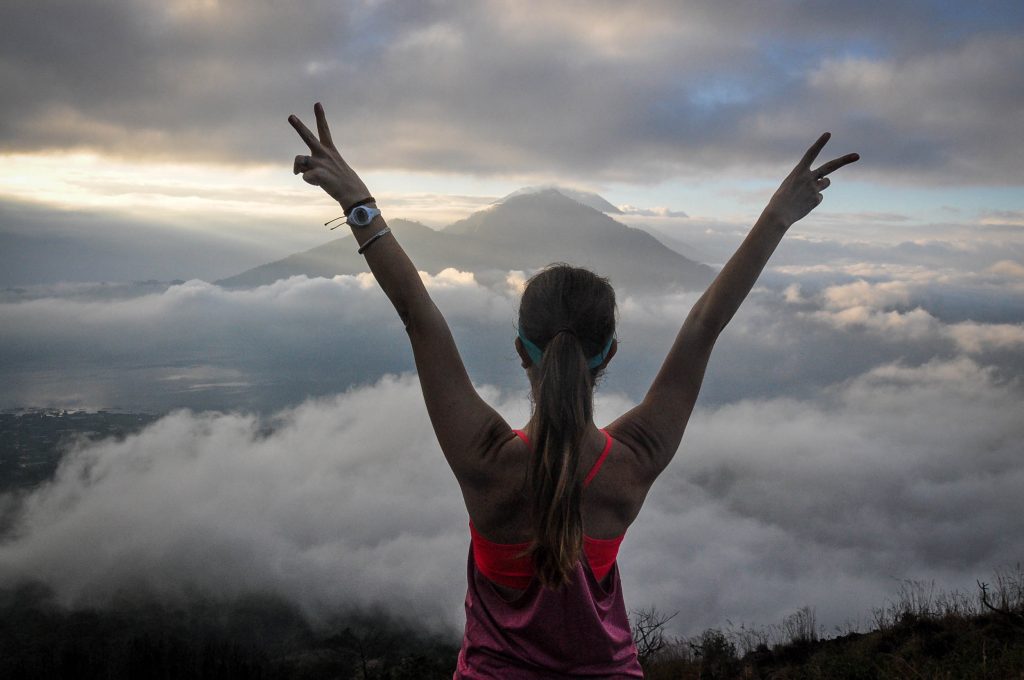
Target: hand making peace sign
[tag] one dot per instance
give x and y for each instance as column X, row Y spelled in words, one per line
column 326, row 168
column 801, row 191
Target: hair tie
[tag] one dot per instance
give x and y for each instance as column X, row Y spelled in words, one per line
column 566, row 329
column 536, row 353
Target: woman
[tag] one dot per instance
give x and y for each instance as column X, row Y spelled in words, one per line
column 549, row 504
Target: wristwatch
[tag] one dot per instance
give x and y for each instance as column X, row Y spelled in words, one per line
column 362, row 216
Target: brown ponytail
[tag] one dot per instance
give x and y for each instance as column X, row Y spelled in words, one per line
column 570, row 312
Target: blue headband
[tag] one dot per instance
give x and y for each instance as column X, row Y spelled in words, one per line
column 536, row 353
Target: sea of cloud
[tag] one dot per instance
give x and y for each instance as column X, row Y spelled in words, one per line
column 824, row 312
column 198, row 345
column 342, row 502
column 852, row 431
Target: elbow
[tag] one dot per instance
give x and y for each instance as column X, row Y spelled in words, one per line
column 417, row 314
column 403, row 314
column 707, row 326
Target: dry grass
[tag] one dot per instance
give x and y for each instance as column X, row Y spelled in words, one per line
column 922, row 632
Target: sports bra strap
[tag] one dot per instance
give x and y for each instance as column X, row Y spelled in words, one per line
column 600, row 459
column 597, row 463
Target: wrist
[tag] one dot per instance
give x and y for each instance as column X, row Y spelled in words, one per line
column 358, row 215
column 773, row 219
column 364, row 199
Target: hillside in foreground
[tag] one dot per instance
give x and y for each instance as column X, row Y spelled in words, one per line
column 921, row 634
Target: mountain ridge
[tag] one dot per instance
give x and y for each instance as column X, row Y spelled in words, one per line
column 522, row 232
column 587, row 198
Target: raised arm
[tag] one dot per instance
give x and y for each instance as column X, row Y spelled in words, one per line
column 655, row 427
column 465, row 425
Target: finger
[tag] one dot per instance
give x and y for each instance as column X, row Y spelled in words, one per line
column 314, row 177
column 834, row 165
column 301, row 164
column 822, row 183
column 815, row 149
column 321, row 125
column 308, row 137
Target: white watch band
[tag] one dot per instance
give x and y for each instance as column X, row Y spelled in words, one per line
column 362, row 216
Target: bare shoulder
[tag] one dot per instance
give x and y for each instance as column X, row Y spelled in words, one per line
column 493, row 485
column 632, row 462
column 491, row 451
column 643, row 450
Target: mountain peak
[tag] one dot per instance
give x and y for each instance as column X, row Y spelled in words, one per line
column 526, row 230
column 587, row 198
column 543, row 213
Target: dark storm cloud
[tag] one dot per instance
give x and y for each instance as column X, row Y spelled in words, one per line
column 599, row 89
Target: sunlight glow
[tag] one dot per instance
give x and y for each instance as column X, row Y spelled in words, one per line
column 96, row 182
column 87, row 180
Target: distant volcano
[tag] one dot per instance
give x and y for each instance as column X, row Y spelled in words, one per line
column 587, row 198
column 526, row 230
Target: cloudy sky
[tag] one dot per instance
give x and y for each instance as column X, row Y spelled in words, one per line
column 859, row 423
column 172, row 113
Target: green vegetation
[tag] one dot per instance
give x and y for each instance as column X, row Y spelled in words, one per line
column 32, row 441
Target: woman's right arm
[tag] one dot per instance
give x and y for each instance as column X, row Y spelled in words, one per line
column 466, row 426
column 654, row 428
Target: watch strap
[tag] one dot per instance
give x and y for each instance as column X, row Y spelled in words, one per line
column 353, row 206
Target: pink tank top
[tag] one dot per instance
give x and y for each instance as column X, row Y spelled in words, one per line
column 509, row 565
column 579, row 630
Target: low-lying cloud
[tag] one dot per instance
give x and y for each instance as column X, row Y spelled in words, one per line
column 346, row 502
column 859, row 424
column 885, row 308
column 157, row 347
column 287, row 340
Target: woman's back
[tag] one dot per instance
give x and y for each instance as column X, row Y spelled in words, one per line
column 515, row 626
column 497, row 501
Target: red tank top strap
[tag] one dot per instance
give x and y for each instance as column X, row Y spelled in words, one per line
column 600, row 459
column 597, row 463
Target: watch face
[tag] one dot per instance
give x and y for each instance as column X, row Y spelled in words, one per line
column 361, row 215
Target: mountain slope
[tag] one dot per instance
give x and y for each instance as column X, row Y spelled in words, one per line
column 587, row 198
column 340, row 257
column 522, row 232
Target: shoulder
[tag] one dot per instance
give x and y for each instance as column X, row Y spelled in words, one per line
column 624, row 479
column 492, row 448
column 492, row 485
column 636, row 450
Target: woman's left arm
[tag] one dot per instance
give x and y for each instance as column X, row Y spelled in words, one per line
column 467, row 427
